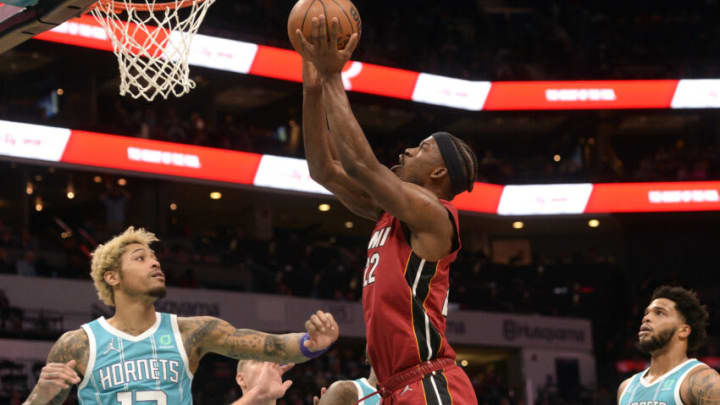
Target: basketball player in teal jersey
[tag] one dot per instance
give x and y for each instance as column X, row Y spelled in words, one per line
column 139, row 356
column 674, row 323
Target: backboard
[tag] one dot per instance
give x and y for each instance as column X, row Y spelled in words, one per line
column 18, row 24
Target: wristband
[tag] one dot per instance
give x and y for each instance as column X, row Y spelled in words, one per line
column 307, row 352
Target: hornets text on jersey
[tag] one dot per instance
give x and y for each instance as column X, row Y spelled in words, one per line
column 151, row 368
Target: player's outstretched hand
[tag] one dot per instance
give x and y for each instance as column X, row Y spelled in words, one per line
column 270, row 385
column 322, row 49
column 54, row 378
column 323, row 331
column 316, row 400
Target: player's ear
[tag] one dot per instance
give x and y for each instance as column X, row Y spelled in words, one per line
column 240, row 380
column 438, row 172
column 684, row 331
column 112, row 277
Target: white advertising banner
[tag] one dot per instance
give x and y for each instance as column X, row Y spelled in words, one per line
column 78, row 302
column 286, row 174
column 547, row 199
column 32, row 141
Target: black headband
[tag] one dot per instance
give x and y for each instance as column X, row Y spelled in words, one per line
column 451, row 156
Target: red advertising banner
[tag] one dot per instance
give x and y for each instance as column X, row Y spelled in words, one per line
column 172, row 159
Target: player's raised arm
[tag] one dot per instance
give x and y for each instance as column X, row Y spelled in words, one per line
column 65, row 362
column 413, row 204
column 205, row 334
column 321, row 153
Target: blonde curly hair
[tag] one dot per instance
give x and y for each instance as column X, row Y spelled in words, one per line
column 107, row 256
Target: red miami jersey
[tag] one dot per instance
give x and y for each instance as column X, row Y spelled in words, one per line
column 405, row 299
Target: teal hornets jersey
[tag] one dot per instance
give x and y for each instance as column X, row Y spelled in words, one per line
column 364, row 389
column 663, row 391
column 149, row 369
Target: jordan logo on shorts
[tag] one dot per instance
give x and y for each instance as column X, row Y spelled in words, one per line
column 406, row 389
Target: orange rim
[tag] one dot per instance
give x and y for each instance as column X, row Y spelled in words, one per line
column 119, row 5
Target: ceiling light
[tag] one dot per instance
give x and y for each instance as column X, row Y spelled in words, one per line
column 122, row 182
column 464, row 363
column 97, row 179
column 216, row 195
column 173, row 207
column 557, row 158
column 518, row 225
column 349, row 225
column 70, row 191
column 593, row 223
column 324, row 207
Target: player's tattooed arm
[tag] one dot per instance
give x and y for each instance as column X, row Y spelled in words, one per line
column 702, row 387
column 206, row 334
column 65, row 364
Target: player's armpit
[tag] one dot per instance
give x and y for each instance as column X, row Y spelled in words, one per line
column 340, row 393
column 207, row 334
column 701, row 387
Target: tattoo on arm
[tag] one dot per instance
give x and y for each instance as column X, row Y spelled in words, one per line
column 72, row 345
column 60, row 397
column 703, row 388
column 274, row 346
column 250, row 344
column 200, row 333
column 218, row 336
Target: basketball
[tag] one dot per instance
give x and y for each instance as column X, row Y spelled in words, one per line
column 303, row 12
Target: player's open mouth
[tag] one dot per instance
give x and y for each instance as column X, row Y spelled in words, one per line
column 158, row 275
column 399, row 164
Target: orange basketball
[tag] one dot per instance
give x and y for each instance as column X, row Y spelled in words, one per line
column 303, row 12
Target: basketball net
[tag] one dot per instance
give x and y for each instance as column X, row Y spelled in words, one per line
column 152, row 43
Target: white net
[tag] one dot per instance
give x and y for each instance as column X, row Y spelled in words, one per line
column 152, row 43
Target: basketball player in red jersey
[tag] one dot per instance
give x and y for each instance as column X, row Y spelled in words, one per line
column 406, row 281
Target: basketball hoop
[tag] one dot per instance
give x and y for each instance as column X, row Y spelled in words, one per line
column 152, row 43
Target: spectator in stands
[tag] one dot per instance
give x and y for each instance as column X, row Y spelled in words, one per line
column 115, row 200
